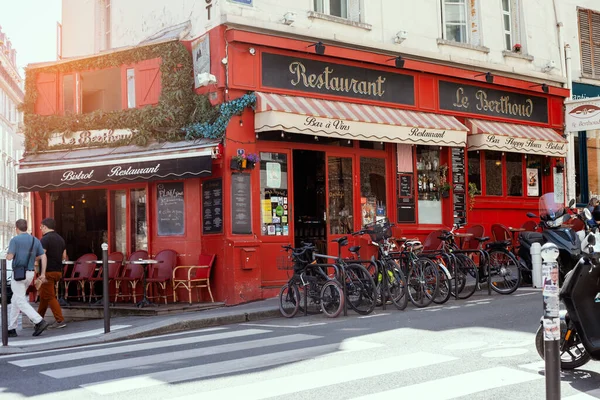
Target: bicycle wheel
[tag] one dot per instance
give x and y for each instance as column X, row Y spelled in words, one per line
column 361, row 292
column 289, row 300
column 444, row 284
column 505, row 276
column 468, row 277
column 422, row 282
column 396, row 285
column 332, row 299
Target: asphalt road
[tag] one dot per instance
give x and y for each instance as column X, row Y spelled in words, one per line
column 482, row 348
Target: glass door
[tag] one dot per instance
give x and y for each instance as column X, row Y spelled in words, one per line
column 128, row 221
column 340, row 199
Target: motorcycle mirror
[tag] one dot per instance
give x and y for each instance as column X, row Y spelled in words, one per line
column 571, row 202
column 591, row 240
column 587, row 213
column 531, row 215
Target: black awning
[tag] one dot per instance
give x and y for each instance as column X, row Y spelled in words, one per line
column 164, row 167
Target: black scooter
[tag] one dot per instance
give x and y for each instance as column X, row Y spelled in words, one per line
column 579, row 323
column 566, row 239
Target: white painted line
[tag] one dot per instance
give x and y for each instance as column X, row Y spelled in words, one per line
column 525, row 294
column 90, row 346
column 174, row 356
column 455, row 386
column 374, row 315
column 451, row 307
column 429, row 308
column 317, row 379
column 286, row 326
column 529, row 289
column 70, row 356
column 477, row 301
column 591, row 395
column 64, row 338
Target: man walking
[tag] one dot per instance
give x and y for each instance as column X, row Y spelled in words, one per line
column 23, row 249
column 56, row 252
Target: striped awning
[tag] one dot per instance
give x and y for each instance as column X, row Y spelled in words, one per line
column 516, row 138
column 355, row 121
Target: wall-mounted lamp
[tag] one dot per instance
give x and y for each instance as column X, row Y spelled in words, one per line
column 398, row 61
column 489, row 78
column 545, row 88
column 319, row 48
column 252, row 51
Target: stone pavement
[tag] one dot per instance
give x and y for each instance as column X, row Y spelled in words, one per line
column 79, row 333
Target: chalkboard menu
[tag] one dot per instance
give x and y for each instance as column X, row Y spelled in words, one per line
column 405, row 185
column 241, row 216
column 406, row 199
column 170, row 209
column 458, row 183
column 212, row 206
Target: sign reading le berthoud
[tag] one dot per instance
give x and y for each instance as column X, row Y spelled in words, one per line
column 582, row 115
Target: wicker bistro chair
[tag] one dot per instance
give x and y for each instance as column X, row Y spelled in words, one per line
column 529, row 226
column 81, row 274
column 198, row 276
column 132, row 274
column 433, row 241
column 162, row 273
column 114, row 270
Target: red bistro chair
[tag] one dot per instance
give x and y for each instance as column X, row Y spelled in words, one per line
column 132, row 274
column 82, row 273
column 529, row 226
column 162, row 273
column 433, row 241
column 473, row 243
column 114, row 270
column 197, row 276
column 500, row 233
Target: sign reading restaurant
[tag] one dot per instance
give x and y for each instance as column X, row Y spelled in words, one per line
column 497, row 103
column 313, row 76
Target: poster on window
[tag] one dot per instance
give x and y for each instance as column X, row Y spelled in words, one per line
column 532, row 182
column 559, row 187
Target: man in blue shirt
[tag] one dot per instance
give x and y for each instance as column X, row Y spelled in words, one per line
column 18, row 251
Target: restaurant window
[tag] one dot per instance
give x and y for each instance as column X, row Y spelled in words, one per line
column 119, row 221
column 340, row 195
column 367, row 144
column 428, row 175
column 372, row 189
column 514, row 174
column 589, row 42
column 348, row 9
column 274, row 199
column 493, row 173
column 535, row 168
column 138, row 221
column 474, row 160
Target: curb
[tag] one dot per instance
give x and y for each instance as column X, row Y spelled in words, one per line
column 149, row 330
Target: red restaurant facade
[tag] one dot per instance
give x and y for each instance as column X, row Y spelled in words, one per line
column 342, row 138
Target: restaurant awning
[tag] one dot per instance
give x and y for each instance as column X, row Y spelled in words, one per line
column 113, row 165
column 516, row 138
column 355, row 121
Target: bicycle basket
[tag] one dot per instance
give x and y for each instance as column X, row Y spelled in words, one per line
column 285, row 263
column 379, row 230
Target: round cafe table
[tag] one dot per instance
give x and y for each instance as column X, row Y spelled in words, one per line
column 144, row 263
column 98, row 262
column 515, row 234
column 461, row 237
column 61, row 300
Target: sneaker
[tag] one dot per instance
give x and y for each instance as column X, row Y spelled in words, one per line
column 12, row 333
column 58, row 325
column 40, row 327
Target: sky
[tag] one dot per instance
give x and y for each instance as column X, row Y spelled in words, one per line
column 31, row 27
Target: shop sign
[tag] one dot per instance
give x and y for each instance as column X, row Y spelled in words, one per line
column 313, row 76
column 518, row 145
column 86, row 138
column 582, row 115
column 491, row 102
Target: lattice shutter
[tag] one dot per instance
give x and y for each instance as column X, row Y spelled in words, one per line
column 589, row 42
column 595, row 25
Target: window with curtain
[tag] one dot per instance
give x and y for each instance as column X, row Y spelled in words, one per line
column 348, row 9
column 514, row 174
column 493, row 173
column 456, row 21
column 474, row 161
column 589, row 42
column 511, row 17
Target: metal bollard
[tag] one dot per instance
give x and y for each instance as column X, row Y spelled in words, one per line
column 4, row 288
column 105, row 295
column 550, row 287
column 536, row 265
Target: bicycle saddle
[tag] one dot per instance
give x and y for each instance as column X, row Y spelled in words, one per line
column 500, row 244
column 354, row 249
column 340, row 240
column 482, row 239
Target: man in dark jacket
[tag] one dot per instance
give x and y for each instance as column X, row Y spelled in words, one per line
column 56, row 252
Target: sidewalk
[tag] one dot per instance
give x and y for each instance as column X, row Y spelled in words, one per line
column 79, row 333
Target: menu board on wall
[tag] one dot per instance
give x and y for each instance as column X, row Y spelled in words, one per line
column 170, row 209
column 241, row 212
column 458, row 185
column 212, row 206
column 405, row 189
column 406, row 199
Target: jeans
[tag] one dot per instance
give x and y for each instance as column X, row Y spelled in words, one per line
column 48, row 296
column 19, row 302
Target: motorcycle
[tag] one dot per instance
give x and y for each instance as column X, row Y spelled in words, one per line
column 580, row 295
column 552, row 215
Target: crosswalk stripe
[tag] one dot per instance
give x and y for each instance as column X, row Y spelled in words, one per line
column 591, row 395
column 455, row 386
column 174, row 356
column 61, row 338
column 208, row 370
column 29, row 362
column 317, row 379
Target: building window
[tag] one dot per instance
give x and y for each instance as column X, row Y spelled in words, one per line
column 130, row 88
column 348, row 9
column 589, row 42
column 274, row 194
column 372, row 189
column 474, row 169
column 493, row 173
column 507, row 24
column 514, row 174
column 455, row 19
